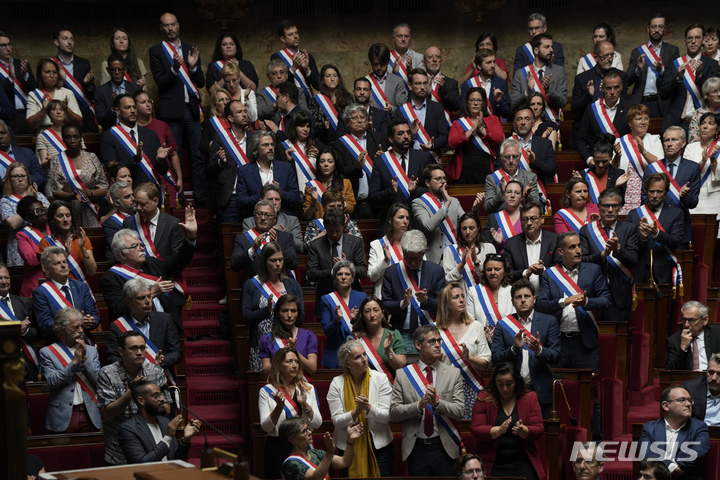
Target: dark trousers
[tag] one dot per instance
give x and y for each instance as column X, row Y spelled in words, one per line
column 276, row 451
column 429, row 460
column 654, row 107
column 188, row 128
column 230, row 213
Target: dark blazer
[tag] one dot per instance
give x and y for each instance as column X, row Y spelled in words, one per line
column 501, row 110
column 591, row 281
column 163, row 335
column 613, row 175
column 111, row 150
column 45, row 311
column 545, row 166
column 171, row 90
column 111, row 283
column 671, row 218
column 320, row 263
column 679, row 360
column 7, row 109
column 693, row 431
column 516, row 252
column 104, row 112
column 687, row 172
column 435, row 123
column 281, row 134
column 540, row 373
column 347, row 163
column 27, row 157
column 522, row 60
column 313, row 77
column 240, row 260
column 138, row 444
column 336, row 333
column 668, row 53
column 580, row 101
column 590, row 128
column 450, row 94
column 28, row 84
column 252, row 315
column 621, row 291
column 81, row 67
column 432, row 278
column 22, row 307
column 698, row 390
column 250, row 183
column 227, row 175
column 380, row 120
column 212, row 76
column 169, row 235
column 380, row 182
column 675, row 92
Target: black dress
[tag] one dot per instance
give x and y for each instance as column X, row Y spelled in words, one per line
column 511, row 459
column 477, row 165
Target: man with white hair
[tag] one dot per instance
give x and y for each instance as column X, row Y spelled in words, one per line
column 536, row 24
column 691, row 347
column 510, row 157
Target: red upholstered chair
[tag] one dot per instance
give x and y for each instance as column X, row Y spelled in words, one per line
column 569, row 437
column 37, row 405
column 399, row 467
column 65, row 458
column 322, row 340
column 104, row 318
column 611, row 404
column 322, row 390
column 639, row 361
column 310, row 312
column 608, row 351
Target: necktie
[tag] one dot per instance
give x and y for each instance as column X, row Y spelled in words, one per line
column 132, row 135
column 540, row 75
column 608, row 231
column 336, row 250
column 429, row 428
column 696, row 355
column 146, row 229
column 5, row 301
column 671, row 167
column 66, row 291
column 403, row 163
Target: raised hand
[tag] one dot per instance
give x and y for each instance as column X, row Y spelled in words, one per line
column 394, row 186
column 422, row 296
column 329, row 444
column 407, row 298
column 279, row 398
column 173, row 426
column 590, row 88
column 190, row 224
column 640, row 63
column 685, row 189
column 193, row 56
column 159, row 359
column 338, row 314
column 386, row 252
column 412, row 184
column 387, row 343
column 497, row 235
column 191, row 429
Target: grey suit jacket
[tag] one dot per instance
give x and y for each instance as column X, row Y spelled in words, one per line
column 394, row 90
column 266, row 110
column 557, row 93
column 493, row 196
column 429, row 223
column 404, row 406
column 291, row 224
column 139, row 446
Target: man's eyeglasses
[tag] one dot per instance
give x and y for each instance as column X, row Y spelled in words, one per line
column 6, row 45
column 264, row 214
column 136, row 246
column 683, row 400
column 434, row 341
column 610, row 206
column 690, row 320
column 530, row 219
column 607, row 57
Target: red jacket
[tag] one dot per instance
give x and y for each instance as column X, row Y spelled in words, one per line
column 456, row 140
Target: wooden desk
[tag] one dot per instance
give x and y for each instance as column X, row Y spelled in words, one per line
column 174, row 467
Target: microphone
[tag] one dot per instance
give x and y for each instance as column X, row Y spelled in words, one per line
column 553, row 413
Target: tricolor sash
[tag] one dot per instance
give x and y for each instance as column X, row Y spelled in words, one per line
column 291, row 408
column 266, row 289
column 270, row 93
column 396, row 255
column 487, row 302
column 252, row 234
column 318, row 186
column 466, row 124
column 304, row 166
column 571, row 219
column 530, row 71
column 219, row 65
column 454, row 353
column 57, row 298
column 17, row 86
column 446, row 226
column 74, row 180
column 129, row 273
column 183, row 73
column 299, row 73
column 689, row 81
column 435, row 95
column 476, row 82
column 355, row 150
column 650, row 57
column 525, row 165
column 513, row 326
column 229, row 141
column 14, row 198
column 402, row 68
column 150, row 250
column 499, row 175
column 593, row 183
column 644, row 211
column 506, row 226
column 396, row 171
column 75, row 86
column 558, row 275
column 468, row 269
column 131, row 147
column 125, row 324
column 34, row 235
column 674, row 191
column 320, row 223
column 600, row 238
column 377, row 92
column 706, row 168
column 527, row 48
column 337, row 301
column 118, row 217
column 374, row 358
column 27, row 348
column 73, row 263
column 589, row 61
column 39, row 95
column 277, row 344
column 422, row 136
column 407, row 281
column 602, row 118
column 327, row 107
column 631, row 150
column 65, row 357
column 6, row 160
column 54, row 139
column 311, row 466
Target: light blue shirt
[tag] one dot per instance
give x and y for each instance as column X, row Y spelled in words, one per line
column 712, row 409
column 406, row 324
column 675, row 168
column 69, row 66
column 3, row 169
column 421, row 114
column 650, row 86
column 363, row 188
column 143, row 327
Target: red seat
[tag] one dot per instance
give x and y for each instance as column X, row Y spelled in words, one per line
column 37, row 406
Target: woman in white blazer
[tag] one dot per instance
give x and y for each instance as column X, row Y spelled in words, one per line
column 386, row 251
column 371, row 406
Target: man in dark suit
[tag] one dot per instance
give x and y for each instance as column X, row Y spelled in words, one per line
column 496, row 88
column 617, row 254
column 536, row 24
column 277, row 74
column 398, row 298
column 648, row 65
column 384, row 185
column 59, row 292
column 691, row 347
column 298, row 61
column 510, row 153
column 246, row 250
column 178, row 102
column 444, row 87
column 674, row 89
column 158, row 328
column 677, row 430
column 705, row 391
column 587, row 87
column 335, row 245
column 16, row 80
column 611, row 106
column 76, row 74
column 121, row 195
column 263, row 169
column 391, row 85
column 539, row 150
column 532, row 251
column 21, row 155
column 147, row 143
column 132, row 262
column 660, row 226
column 543, row 344
column 288, row 96
column 21, row 309
column 139, row 443
column 106, row 92
column 602, row 152
column 377, row 117
column 285, row 222
column 684, row 173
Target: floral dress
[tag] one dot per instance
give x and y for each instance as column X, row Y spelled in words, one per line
column 8, row 208
column 93, row 176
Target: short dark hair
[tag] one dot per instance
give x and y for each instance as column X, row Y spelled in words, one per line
column 394, row 123
column 115, row 57
column 227, row 111
column 694, row 26
column 334, row 218
column 361, row 79
column 139, row 388
column 611, row 192
column 520, row 284
column 604, row 144
column 288, row 88
column 284, row 25
column 529, row 206
column 537, row 40
column 659, row 469
column 657, row 15
column 23, row 206
column 118, row 99
column 379, row 51
column 67, row 126
column 416, row 71
column 462, row 460
column 612, row 73
column 426, row 175
column 657, row 177
column 122, row 339
column 562, row 239
column 62, row 28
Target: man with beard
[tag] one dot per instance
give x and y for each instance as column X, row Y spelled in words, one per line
column 443, row 89
column 17, row 80
column 706, row 392
column 106, row 92
column 388, row 89
column 300, row 63
column 425, row 117
column 121, row 195
column 538, row 150
column 150, row 423
column 277, row 74
column 377, row 118
column 495, row 183
column 496, row 88
column 76, row 75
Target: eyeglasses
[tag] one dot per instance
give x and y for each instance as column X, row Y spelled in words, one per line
column 40, row 211
column 17, row 177
column 136, row 348
column 6, row 45
column 530, row 219
column 610, row 206
column 136, row 246
column 691, row 320
column 264, row 214
column 512, row 157
column 682, row 400
column 474, row 100
column 607, row 57
column 434, row 341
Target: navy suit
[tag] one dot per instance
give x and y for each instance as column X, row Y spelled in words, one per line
column 687, row 172
column 240, row 260
column 449, row 93
column 522, row 59
column 540, row 373
column 347, row 164
column 7, row 109
column 111, row 150
column 694, row 430
column 668, row 53
column 590, row 128
column 698, row 390
column 27, row 157
column 281, row 134
column 501, row 110
column 249, row 185
column 432, row 278
column 313, row 77
column 226, row 175
column 171, row 89
column 676, row 93
column 516, row 252
column 104, row 112
column 163, row 335
column 139, row 446
column 81, row 67
column 435, row 123
column 380, row 120
column 169, row 235
column 677, row 359
column 45, row 310
column 545, row 166
column 671, row 218
column 336, row 333
column 22, row 308
column 19, row 125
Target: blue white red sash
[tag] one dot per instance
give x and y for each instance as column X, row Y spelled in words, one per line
column 593, row 183
column 327, row 107
column 5, row 159
column 513, row 326
column 571, row 219
column 651, row 58
column 632, row 152
column 602, row 118
column 402, row 67
column 266, row 289
column 270, row 93
column 446, row 226
column 422, row 136
column 600, row 238
column 525, row 165
column 125, row 324
column 299, row 73
column 530, row 71
column 150, row 250
column 131, row 147
column 476, row 82
column 14, row 198
column 689, row 81
column 589, row 61
column 311, row 466
column 377, row 92
column 17, row 86
column 252, row 234
column 305, row 168
column 27, row 348
column 290, row 408
column 73, row 263
column 435, row 95
column 278, row 343
column 118, row 217
column 643, row 211
column 706, row 168
column 454, row 353
column 74, row 180
column 468, row 269
column 374, row 358
column 39, row 95
column 558, row 275
column 506, row 226
column 318, row 186
column 487, row 302
column 57, row 299
column 54, row 139
column 466, row 124
column 65, row 357
column 674, row 191
column 396, row 255
column 320, row 223
column 75, row 86
column 129, row 273
column 34, row 235
column 230, row 143
column 396, row 171
column 527, row 48
column 499, row 175
column 219, row 65
column 419, row 383
column 183, row 72
column 425, row 317
column 356, row 149
column 337, row 301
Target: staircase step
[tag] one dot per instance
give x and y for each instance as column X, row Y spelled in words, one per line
column 214, row 390
column 238, row 446
column 202, row 215
column 210, row 366
column 207, row 348
column 203, row 260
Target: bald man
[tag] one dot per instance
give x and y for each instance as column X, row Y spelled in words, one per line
column 444, row 89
